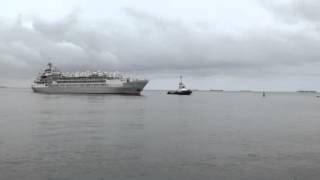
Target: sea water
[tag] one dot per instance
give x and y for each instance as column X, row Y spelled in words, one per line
column 207, row 135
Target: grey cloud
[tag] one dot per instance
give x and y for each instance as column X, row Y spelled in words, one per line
column 295, row 11
column 149, row 44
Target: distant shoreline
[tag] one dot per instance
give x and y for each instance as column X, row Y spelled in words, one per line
column 238, row 91
column 304, row 91
column 207, row 90
column 12, row 87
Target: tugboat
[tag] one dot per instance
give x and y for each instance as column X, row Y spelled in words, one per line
column 182, row 90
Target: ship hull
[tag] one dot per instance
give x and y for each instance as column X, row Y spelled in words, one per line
column 131, row 88
column 187, row 92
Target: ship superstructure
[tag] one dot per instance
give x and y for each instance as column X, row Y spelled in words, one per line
column 55, row 81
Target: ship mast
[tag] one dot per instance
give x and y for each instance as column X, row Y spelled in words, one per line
column 181, row 85
column 50, row 65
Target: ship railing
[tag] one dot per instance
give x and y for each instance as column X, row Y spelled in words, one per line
column 37, row 85
column 88, row 74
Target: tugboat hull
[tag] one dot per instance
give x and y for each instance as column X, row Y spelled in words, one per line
column 188, row 92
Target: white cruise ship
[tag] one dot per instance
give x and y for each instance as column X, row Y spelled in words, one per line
column 53, row 81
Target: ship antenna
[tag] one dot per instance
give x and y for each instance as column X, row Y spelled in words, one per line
column 180, row 78
column 50, row 65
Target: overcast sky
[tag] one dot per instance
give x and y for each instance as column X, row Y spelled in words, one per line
column 214, row 44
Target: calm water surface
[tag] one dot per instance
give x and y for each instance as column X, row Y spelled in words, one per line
column 206, row 135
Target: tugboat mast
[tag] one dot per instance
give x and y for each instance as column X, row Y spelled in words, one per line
column 181, row 85
column 50, row 65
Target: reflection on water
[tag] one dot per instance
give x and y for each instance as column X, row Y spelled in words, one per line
column 203, row 136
